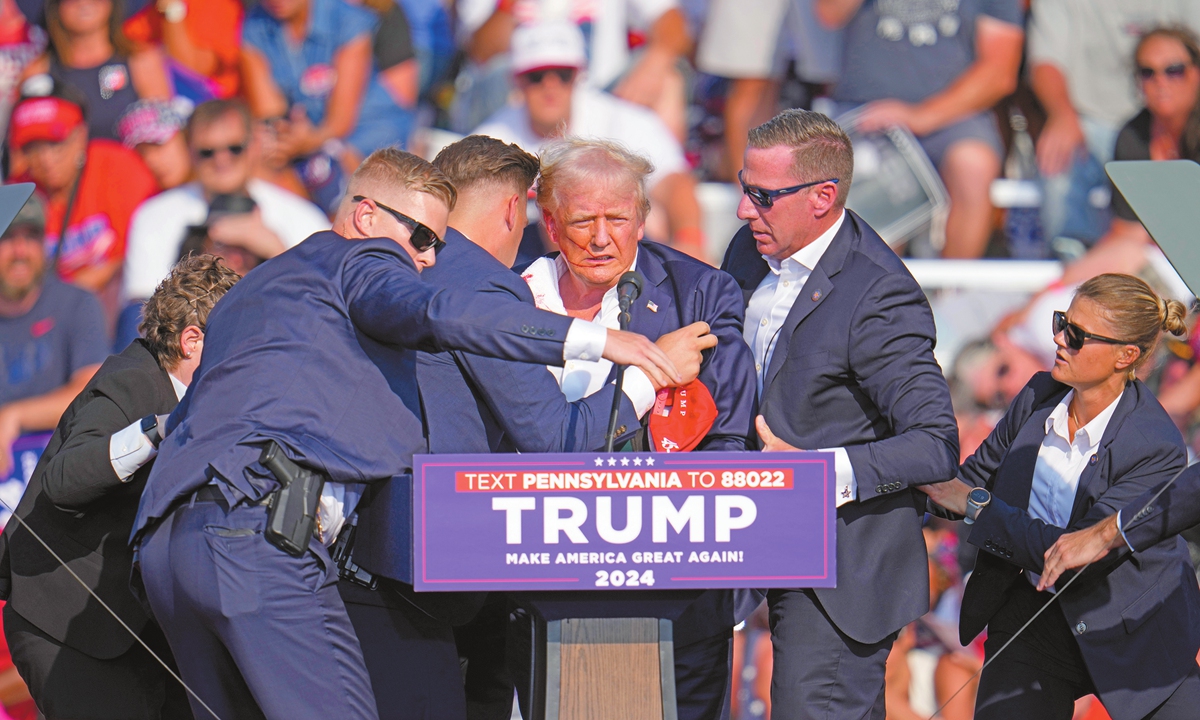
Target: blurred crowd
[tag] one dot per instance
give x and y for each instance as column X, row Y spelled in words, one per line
column 157, row 128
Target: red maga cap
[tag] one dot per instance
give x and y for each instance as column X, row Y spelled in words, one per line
column 681, row 417
column 43, row 118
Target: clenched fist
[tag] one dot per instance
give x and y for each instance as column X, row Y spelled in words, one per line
column 683, row 346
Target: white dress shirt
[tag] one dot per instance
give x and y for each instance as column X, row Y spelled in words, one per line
column 580, row 378
column 768, row 309
column 129, row 448
column 1060, row 461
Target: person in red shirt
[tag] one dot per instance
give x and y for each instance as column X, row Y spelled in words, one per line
column 92, row 188
column 203, row 37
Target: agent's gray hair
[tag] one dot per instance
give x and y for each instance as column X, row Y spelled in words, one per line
column 571, row 162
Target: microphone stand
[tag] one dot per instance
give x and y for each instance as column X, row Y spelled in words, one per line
column 623, row 318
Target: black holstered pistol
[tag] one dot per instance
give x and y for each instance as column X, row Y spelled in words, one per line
column 293, row 508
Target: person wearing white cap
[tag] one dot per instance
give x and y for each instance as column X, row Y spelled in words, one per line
column 547, row 59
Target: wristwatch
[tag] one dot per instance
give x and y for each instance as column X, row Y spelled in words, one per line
column 977, row 500
column 150, row 430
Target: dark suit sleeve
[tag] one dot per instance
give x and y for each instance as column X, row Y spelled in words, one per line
column 389, row 303
column 1002, row 529
column 1149, row 521
column 81, row 471
column 891, row 355
column 533, row 412
column 529, row 404
column 729, row 374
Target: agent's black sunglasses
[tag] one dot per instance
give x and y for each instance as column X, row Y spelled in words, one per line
column 765, row 198
column 422, row 237
column 1077, row 336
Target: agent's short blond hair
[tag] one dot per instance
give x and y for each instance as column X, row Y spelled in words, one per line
column 479, row 160
column 392, row 166
column 821, row 150
column 572, row 162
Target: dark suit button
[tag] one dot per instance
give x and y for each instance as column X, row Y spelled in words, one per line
column 524, row 328
column 1081, row 627
column 1008, row 553
column 878, row 488
column 552, row 333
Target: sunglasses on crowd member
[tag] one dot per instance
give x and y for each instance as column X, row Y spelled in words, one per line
column 1076, row 336
column 422, row 237
column 765, row 198
column 210, row 153
column 564, row 75
column 1174, row 71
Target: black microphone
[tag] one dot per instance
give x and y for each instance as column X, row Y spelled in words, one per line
column 628, row 289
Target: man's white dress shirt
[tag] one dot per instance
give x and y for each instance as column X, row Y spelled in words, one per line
column 1060, row 461
column 580, row 378
column 768, row 309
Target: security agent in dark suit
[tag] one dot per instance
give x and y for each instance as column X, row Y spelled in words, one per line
column 593, row 205
column 76, row 658
column 1076, row 446
column 480, row 404
column 307, row 356
column 843, row 341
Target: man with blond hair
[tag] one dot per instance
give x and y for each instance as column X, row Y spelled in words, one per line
column 843, row 340
column 594, row 204
column 313, row 357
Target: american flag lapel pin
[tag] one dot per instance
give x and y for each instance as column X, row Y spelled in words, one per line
column 652, row 306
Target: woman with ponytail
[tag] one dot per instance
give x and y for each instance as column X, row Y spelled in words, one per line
column 1077, row 445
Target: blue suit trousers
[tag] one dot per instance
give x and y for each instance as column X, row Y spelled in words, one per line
column 257, row 633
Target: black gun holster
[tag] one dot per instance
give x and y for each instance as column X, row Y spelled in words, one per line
column 292, row 514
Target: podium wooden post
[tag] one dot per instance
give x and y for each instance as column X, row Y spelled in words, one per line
column 599, row 668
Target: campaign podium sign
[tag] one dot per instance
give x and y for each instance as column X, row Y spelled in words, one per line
column 623, row 521
column 564, row 532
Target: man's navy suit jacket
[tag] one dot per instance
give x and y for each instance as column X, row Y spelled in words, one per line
column 477, row 404
column 853, row 367
column 314, row 349
column 1135, row 616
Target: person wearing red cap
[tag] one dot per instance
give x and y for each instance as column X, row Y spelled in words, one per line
column 92, row 188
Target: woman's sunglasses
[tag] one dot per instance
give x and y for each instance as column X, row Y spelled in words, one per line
column 1173, row 71
column 765, row 198
column 1077, row 336
column 422, row 237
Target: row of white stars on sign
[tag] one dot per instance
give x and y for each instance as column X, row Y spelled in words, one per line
column 612, row 461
